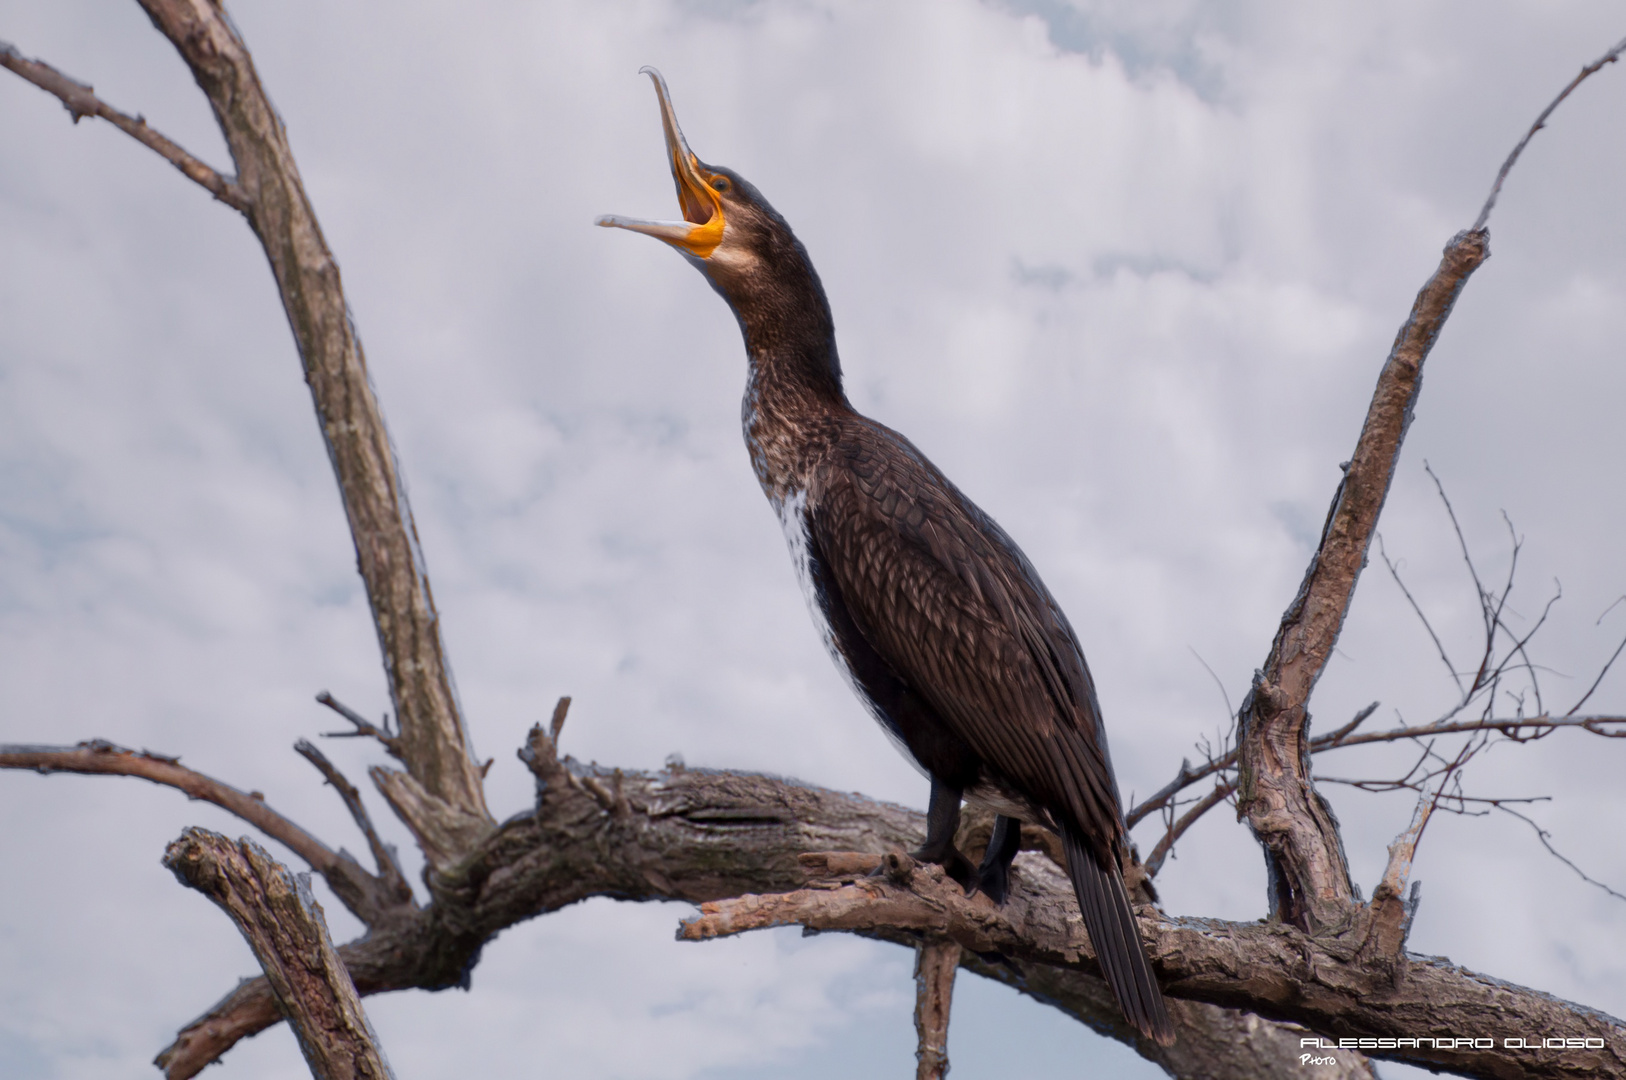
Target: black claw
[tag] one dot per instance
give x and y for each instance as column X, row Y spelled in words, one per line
column 994, row 881
column 994, row 875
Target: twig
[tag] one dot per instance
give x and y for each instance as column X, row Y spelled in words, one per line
column 936, row 962
column 1182, row 780
column 1546, row 841
column 1451, row 802
column 100, row 757
column 384, row 855
column 1221, row 792
column 1334, row 738
column 1188, row 776
column 1230, row 710
column 81, row 101
column 1541, row 726
column 283, row 924
column 1403, row 851
column 364, row 729
column 1541, row 122
column 1611, row 663
column 1394, row 572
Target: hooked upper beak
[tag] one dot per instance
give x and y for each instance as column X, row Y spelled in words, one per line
column 701, row 229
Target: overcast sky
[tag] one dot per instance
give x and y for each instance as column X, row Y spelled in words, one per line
column 1126, row 277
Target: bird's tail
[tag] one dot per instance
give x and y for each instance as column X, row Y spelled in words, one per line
column 1111, row 925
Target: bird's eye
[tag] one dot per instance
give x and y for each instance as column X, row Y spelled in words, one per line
column 720, row 183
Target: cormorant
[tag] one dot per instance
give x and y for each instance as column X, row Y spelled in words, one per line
column 937, row 618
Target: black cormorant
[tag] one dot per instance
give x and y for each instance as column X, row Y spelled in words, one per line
column 938, row 619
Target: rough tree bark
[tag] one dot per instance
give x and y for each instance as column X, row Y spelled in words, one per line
column 758, row 851
column 284, row 926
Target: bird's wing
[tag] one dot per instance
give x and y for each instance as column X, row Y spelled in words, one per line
column 958, row 613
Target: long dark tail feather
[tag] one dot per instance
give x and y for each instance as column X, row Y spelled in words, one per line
column 1111, row 925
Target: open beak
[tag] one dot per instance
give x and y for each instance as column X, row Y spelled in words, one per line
column 701, row 229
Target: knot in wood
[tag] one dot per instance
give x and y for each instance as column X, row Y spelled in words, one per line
column 898, row 868
column 1268, row 698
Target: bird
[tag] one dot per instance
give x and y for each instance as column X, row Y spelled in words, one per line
column 939, row 622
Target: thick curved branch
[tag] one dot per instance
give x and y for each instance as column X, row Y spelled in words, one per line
column 369, row 898
column 440, row 796
column 704, row 837
column 81, row 101
column 693, row 835
column 283, row 924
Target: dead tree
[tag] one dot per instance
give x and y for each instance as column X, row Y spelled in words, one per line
column 756, row 851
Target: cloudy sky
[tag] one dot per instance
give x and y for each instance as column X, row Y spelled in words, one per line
column 1127, row 277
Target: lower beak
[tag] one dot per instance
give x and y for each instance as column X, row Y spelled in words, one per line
column 701, row 229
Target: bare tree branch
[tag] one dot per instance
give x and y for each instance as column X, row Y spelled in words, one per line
column 1604, row 671
column 391, row 741
column 1309, row 875
column 1177, row 829
column 1394, row 572
column 369, row 898
column 1541, row 121
column 1546, row 839
column 935, row 965
column 440, row 796
column 1188, row 776
column 1519, row 729
column 695, row 835
column 81, row 101
column 1522, row 729
column 384, row 856
column 1339, row 984
column 284, row 926
column 707, row 836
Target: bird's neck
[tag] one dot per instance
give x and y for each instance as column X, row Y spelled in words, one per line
column 793, row 389
column 790, row 337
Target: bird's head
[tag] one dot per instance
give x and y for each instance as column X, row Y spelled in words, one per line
column 728, row 231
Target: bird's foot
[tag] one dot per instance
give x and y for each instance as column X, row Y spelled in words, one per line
column 954, row 864
column 995, row 881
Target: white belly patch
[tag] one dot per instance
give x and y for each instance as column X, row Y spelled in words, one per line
column 792, row 512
